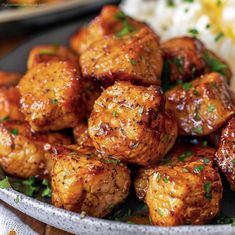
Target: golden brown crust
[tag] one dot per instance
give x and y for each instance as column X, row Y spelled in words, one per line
column 225, row 155
column 129, row 122
column 136, row 58
column 9, row 78
column 202, row 106
column 185, row 58
column 45, row 53
column 106, row 24
column 88, row 183
column 22, row 152
column 10, row 103
column 50, row 95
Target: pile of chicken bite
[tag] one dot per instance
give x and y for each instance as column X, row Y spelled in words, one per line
column 128, row 100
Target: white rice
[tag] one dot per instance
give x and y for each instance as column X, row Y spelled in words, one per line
column 169, row 22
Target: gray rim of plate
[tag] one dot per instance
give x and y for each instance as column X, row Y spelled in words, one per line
column 86, row 225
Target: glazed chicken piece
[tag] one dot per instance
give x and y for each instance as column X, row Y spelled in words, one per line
column 45, row 53
column 9, row 78
column 22, row 152
column 50, row 95
column 129, row 122
column 136, row 58
column 184, row 189
column 186, row 58
column 201, row 106
column 111, row 21
column 88, row 183
column 10, row 103
column 81, row 135
column 181, row 194
column 225, row 155
column 183, row 59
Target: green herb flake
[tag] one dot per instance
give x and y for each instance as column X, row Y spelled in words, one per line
column 207, row 189
column 233, row 161
column 185, row 170
column 185, row 155
column 160, row 212
column 141, row 110
column 18, row 199
column 158, row 176
column 47, row 52
column 218, row 3
column 198, row 169
column 15, row 131
column 54, row 101
column 223, row 219
column 47, row 191
column 194, row 32
column 187, row 86
column 211, row 108
column 205, row 143
column 219, row 37
column 4, row 119
column 31, row 187
column 206, row 160
column 114, row 113
column 111, row 161
column 214, row 64
column 197, row 116
column 198, row 130
column 189, row 1
column 166, row 179
column 179, row 63
column 133, row 62
column 126, row 27
column 5, row 184
column 208, row 26
column 196, row 92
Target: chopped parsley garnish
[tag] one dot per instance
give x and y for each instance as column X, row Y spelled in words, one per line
column 207, row 189
column 158, row 176
column 223, row 219
column 193, row 32
column 114, row 113
column 133, row 62
column 189, row 1
column 54, row 101
column 17, row 199
column 166, row 179
column 170, row 3
column 214, row 64
column 196, row 92
column 166, row 160
column 4, row 184
column 197, row 130
column 166, row 75
column 141, row 110
column 4, row 119
column 208, row 26
column 205, row 143
column 198, row 169
column 160, row 212
column 211, row 108
column 47, row 191
column 219, row 36
column 187, row 86
column 15, row 131
column 233, row 161
column 197, row 116
column 185, row 155
column 31, row 187
column 218, row 3
column 111, row 161
column 206, row 160
column 47, row 52
column 179, row 63
column 126, row 27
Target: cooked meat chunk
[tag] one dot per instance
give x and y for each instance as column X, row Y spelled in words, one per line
column 136, row 58
column 81, row 134
column 129, row 122
column 88, row 183
column 45, row 53
column 10, row 103
column 111, row 21
column 183, row 58
column 9, row 78
column 225, row 155
column 50, row 95
column 22, row 152
column 181, row 194
column 201, row 106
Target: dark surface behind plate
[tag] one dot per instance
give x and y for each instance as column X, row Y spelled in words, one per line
column 16, row 61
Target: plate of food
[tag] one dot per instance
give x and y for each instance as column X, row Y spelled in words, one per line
column 107, row 129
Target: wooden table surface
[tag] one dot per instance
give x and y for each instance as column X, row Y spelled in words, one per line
column 42, row 229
